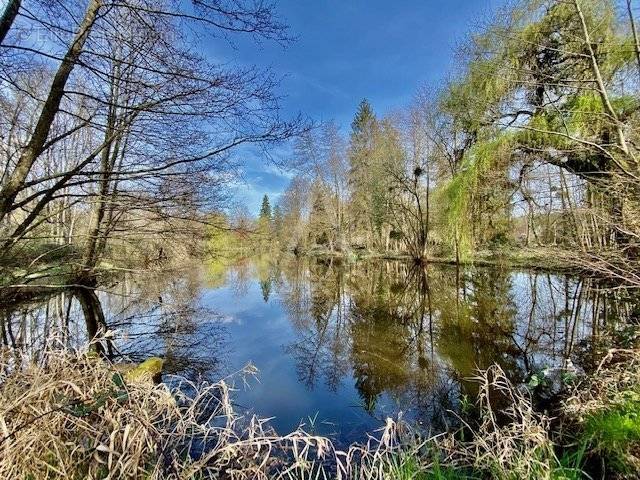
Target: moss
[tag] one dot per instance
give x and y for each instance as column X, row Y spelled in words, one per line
column 149, row 369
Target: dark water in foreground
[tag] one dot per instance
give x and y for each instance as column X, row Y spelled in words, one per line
column 339, row 347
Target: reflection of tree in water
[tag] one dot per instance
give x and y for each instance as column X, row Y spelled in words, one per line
column 29, row 325
column 316, row 309
column 265, row 271
column 417, row 333
column 393, row 343
column 294, row 291
column 361, row 318
column 265, row 286
column 476, row 329
column 380, row 334
column 411, row 333
column 240, row 277
column 94, row 320
column 553, row 314
column 154, row 316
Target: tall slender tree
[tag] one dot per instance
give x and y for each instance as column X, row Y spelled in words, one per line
column 265, row 209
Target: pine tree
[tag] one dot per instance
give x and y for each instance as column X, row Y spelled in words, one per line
column 265, row 223
column 374, row 150
column 363, row 123
column 265, row 209
column 361, row 146
column 319, row 221
column 278, row 220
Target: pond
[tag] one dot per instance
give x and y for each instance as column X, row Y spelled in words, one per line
column 339, row 347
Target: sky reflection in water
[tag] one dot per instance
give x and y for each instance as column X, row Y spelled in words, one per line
column 339, row 347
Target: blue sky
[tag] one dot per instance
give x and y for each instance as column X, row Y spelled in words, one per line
column 347, row 50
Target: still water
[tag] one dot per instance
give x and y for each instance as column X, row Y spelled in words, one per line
column 338, row 346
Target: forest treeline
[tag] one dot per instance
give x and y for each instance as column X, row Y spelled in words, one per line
column 117, row 128
column 118, row 135
column 532, row 142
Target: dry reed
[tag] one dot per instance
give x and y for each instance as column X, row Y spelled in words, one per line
column 73, row 416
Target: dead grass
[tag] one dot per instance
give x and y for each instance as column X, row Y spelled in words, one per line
column 617, row 374
column 75, row 416
column 519, row 448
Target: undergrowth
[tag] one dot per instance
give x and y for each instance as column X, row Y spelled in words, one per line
column 76, row 416
column 605, row 411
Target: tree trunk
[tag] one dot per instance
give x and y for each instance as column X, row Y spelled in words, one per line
column 8, row 16
column 634, row 30
column 50, row 108
column 602, row 91
column 94, row 232
column 94, row 319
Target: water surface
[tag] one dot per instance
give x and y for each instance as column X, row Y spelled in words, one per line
column 338, row 346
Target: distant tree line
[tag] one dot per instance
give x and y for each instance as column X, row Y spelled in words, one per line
column 533, row 141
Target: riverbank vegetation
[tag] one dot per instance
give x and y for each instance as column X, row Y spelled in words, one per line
column 117, row 150
column 530, row 144
column 78, row 416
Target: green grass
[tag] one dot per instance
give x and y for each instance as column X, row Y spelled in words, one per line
column 408, row 467
column 570, row 464
column 614, row 433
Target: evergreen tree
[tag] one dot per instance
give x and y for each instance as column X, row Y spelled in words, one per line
column 265, row 209
column 319, row 220
column 265, row 286
column 373, row 152
column 265, row 223
column 363, row 124
column 363, row 131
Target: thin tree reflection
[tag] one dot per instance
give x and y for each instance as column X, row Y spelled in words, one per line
column 417, row 334
column 154, row 316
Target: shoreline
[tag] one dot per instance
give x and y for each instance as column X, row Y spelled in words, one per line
column 543, row 258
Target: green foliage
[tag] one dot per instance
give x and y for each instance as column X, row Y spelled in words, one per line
column 615, row 432
column 582, row 116
column 457, row 195
column 265, row 209
column 542, row 132
column 374, row 152
column 407, row 466
column 471, row 98
column 219, row 235
column 319, row 224
column 528, row 81
column 570, row 466
column 526, row 94
column 364, row 120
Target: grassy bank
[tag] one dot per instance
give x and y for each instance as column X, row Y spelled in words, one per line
column 73, row 415
column 544, row 258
